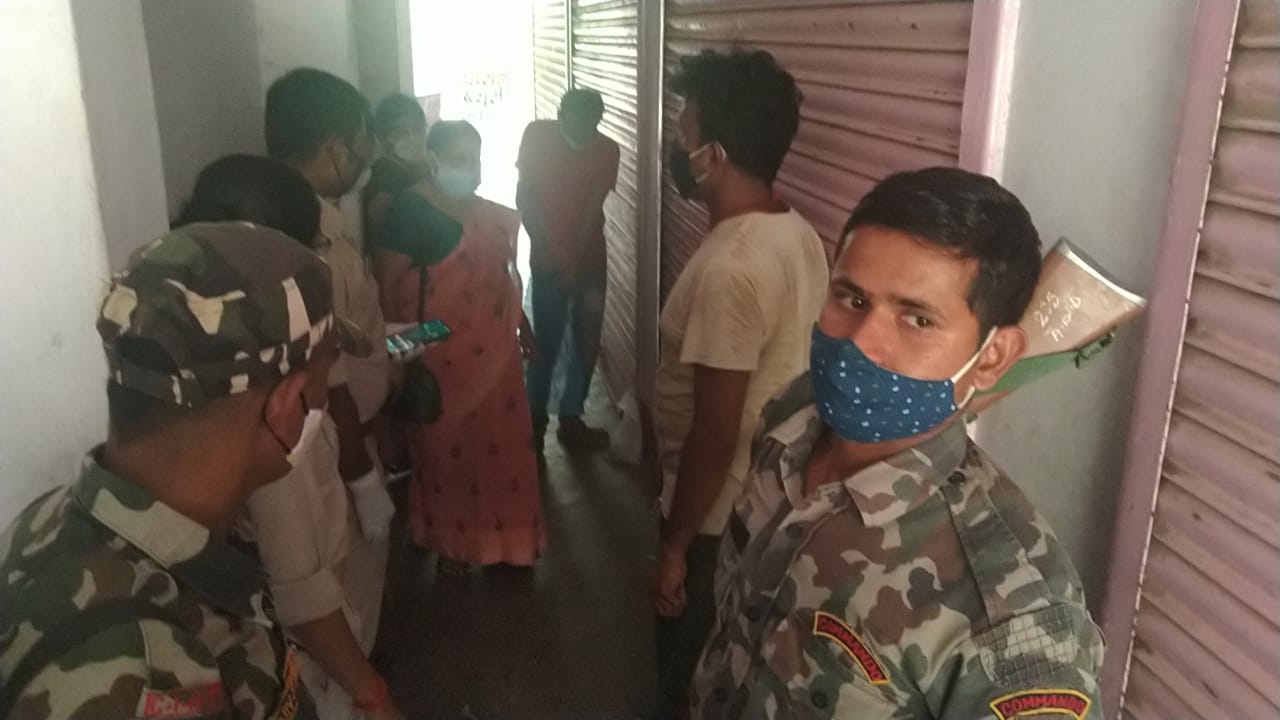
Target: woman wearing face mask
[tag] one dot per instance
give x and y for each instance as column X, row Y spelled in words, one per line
column 401, row 127
column 473, row 496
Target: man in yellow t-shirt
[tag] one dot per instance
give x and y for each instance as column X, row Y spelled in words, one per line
column 735, row 328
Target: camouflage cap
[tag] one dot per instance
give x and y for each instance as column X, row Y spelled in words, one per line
column 213, row 309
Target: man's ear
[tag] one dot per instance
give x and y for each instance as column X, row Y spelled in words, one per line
column 719, row 153
column 283, row 412
column 1006, row 348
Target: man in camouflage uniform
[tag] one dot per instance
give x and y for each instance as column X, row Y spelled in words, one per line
column 877, row 564
column 121, row 597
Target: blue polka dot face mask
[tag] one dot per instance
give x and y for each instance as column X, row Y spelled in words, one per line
column 866, row 403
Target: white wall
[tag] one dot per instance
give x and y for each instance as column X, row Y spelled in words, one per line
column 212, row 62
column 208, row 86
column 116, row 77
column 1092, row 132
column 310, row 33
column 111, row 110
column 383, row 47
column 53, row 406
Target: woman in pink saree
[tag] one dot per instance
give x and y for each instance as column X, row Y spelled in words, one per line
column 473, row 494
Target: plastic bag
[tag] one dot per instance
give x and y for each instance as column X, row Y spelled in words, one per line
column 626, row 442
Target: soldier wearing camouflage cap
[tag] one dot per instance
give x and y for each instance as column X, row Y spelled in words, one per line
column 878, row 564
column 121, row 596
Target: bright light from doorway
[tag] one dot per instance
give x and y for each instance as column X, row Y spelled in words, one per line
column 473, row 60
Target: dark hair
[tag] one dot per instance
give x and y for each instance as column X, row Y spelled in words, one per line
column 584, row 102
column 746, row 102
column 306, row 107
column 394, row 108
column 258, row 190
column 971, row 215
column 445, row 133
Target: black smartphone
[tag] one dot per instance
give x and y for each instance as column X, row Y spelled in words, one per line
column 428, row 332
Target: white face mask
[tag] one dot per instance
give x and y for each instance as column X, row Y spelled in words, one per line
column 312, row 426
column 699, row 179
column 456, row 182
column 412, row 150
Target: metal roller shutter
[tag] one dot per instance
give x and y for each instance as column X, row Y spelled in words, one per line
column 605, row 36
column 1206, row 640
column 883, row 83
column 550, row 56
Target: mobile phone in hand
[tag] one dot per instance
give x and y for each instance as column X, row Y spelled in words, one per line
column 410, row 338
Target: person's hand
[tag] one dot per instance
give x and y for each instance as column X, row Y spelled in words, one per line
column 374, row 507
column 381, row 707
column 387, row 711
column 402, row 351
column 669, row 583
column 528, row 344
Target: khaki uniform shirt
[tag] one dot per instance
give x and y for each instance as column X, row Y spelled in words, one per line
column 925, row 586
column 355, row 297
column 747, row 301
column 299, row 525
column 105, row 539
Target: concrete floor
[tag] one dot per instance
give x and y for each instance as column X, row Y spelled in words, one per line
column 569, row 639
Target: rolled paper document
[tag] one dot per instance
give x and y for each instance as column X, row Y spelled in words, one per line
column 1073, row 316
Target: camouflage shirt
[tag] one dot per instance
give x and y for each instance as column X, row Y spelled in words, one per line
column 106, row 539
column 925, row 586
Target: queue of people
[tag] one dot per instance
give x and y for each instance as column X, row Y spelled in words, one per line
column 832, row 544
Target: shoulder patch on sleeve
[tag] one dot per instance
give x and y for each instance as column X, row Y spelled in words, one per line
column 1047, row 701
column 1033, row 648
column 188, row 702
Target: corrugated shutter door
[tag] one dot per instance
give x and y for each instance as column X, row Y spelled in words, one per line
column 605, row 36
column 883, row 85
column 1207, row 636
column 550, row 56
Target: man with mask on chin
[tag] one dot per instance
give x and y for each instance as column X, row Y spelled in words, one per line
column 878, row 564
column 328, row 577
column 121, row 596
column 735, row 328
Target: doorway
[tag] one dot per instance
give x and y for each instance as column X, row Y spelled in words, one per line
column 483, row 77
